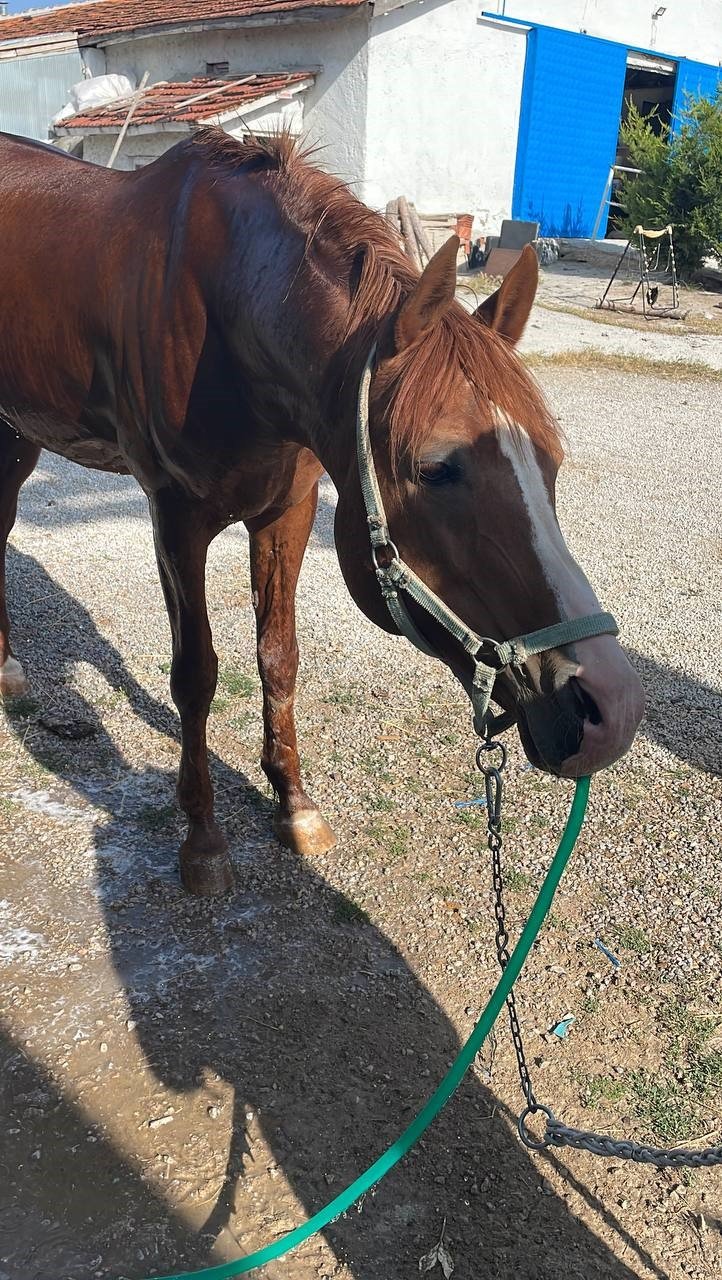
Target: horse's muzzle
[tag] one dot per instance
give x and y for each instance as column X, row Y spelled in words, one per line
column 590, row 720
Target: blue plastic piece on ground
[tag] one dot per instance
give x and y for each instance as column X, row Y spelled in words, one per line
column 562, row 1028
column 468, row 804
column 609, row 954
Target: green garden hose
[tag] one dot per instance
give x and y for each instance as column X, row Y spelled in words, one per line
column 448, row 1086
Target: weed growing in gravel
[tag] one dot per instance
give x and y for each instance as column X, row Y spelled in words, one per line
column 219, row 705
column 474, row 818
column 516, row 880
column 590, row 1005
column 381, row 802
column 236, row 683
column 599, row 1088
column 346, row 911
column 631, row 938
column 398, row 842
column 347, row 697
column 374, row 764
column 591, row 358
column 671, row 1103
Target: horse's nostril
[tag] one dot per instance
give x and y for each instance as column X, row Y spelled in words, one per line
column 588, row 707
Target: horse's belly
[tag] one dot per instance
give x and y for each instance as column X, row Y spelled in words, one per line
column 69, row 439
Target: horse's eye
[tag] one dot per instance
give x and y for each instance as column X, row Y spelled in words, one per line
column 438, row 473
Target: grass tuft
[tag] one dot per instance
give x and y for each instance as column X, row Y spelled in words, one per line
column 590, row 358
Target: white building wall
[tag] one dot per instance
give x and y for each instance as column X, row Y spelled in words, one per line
column 443, row 116
column 133, row 152
column 687, row 28
column 334, row 108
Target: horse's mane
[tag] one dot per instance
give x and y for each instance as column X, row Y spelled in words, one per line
column 337, row 223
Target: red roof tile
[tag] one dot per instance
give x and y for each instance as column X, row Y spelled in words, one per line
column 102, row 17
column 164, row 103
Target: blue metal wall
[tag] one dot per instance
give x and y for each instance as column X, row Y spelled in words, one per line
column 32, row 91
column 694, row 80
column 569, row 124
column 570, row 110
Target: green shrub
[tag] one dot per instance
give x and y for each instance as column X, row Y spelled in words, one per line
column 681, row 182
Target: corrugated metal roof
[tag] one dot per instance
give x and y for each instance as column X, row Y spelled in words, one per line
column 196, row 101
column 103, row 17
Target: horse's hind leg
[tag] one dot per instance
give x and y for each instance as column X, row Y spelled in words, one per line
column 277, row 550
column 17, row 459
column 182, row 538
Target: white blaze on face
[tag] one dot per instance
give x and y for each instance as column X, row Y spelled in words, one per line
column 566, row 580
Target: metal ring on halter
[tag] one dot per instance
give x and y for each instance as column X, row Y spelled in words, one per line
column 490, row 745
column 524, row 1134
column 385, row 546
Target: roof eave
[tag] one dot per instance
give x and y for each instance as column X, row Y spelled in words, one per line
column 185, row 126
column 314, row 13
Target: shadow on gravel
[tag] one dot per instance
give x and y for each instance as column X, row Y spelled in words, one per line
column 280, row 992
column 683, row 715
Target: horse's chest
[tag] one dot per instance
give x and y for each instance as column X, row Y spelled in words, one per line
column 70, row 439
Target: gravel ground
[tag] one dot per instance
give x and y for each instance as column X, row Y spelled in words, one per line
column 574, row 285
column 183, row 1080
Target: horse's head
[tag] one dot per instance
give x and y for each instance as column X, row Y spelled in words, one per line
column 467, row 456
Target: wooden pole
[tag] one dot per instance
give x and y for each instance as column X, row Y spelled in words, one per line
column 407, row 232
column 131, row 112
column 422, row 236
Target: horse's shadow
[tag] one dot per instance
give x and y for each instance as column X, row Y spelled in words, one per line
column 311, row 1020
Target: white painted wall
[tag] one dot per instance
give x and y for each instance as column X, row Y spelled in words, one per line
column 334, row 108
column 443, row 116
column 687, row 29
column 144, row 148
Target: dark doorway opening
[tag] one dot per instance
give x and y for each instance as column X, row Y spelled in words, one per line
column 649, row 85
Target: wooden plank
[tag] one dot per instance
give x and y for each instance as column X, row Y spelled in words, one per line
column 131, row 112
column 422, row 238
column 407, row 232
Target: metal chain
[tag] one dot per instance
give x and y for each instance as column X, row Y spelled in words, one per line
column 494, row 787
column 557, row 1134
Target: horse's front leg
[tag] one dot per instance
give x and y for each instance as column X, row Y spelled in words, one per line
column 182, row 538
column 276, row 553
column 17, row 459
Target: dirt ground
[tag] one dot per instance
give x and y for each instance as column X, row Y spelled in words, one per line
column 182, row 1081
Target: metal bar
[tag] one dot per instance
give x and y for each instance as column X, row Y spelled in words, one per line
column 605, row 196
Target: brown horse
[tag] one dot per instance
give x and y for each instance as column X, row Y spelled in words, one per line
column 203, row 324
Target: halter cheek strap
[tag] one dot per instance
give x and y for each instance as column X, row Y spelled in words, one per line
column 396, row 580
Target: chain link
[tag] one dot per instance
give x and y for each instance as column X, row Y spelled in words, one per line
column 557, row 1134
column 494, row 787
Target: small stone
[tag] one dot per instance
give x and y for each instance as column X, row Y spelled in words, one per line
column 103, row 1047
column 214, row 1112
column 159, row 1120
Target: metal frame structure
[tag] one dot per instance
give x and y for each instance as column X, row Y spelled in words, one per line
column 648, row 261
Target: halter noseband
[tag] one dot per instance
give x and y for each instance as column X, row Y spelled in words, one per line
column 394, row 577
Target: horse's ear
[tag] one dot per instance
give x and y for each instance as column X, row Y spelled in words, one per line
column 431, row 297
column 507, row 310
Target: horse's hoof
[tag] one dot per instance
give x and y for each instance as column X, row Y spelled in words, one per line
column 205, row 867
column 305, row 832
column 13, row 683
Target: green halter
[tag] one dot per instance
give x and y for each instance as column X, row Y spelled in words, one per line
column 394, row 577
